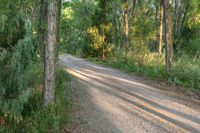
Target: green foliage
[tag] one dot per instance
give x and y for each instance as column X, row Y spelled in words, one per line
column 154, row 68
column 143, row 33
column 193, row 48
column 97, row 41
column 184, row 74
column 13, row 29
column 37, row 118
column 21, row 74
column 101, row 13
column 75, row 20
column 187, row 74
column 54, row 117
column 15, row 70
column 94, row 27
column 188, row 42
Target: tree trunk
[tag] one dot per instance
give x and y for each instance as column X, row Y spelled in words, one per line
column 180, row 13
column 42, row 27
column 156, row 11
column 58, row 26
column 133, row 8
column 126, row 32
column 181, row 8
column 161, row 28
column 186, row 7
column 176, row 12
column 168, row 35
column 103, row 54
column 50, row 52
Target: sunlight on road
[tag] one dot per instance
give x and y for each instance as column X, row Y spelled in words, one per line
column 120, row 99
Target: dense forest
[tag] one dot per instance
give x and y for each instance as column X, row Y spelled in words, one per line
column 158, row 39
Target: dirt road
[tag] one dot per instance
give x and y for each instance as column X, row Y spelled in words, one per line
column 111, row 101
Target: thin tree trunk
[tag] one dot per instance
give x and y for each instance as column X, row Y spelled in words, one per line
column 50, row 52
column 181, row 8
column 58, row 26
column 103, row 54
column 126, row 31
column 185, row 13
column 156, row 12
column 133, row 8
column 168, row 35
column 116, row 30
column 176, row 17
column 161, row 28
column 42, row 28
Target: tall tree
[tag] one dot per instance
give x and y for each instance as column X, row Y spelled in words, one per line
column 126, row 28
column 161, row 28
column 168, row 35
column 50, row 51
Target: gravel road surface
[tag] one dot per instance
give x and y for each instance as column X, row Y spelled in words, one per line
column 110, row 101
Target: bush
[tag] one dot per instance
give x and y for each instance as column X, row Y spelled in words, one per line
column 12, row 30
column 98, row 44
column 154, row 67
column 186, row 72
column 15, row 74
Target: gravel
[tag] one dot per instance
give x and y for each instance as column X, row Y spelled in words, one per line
column 110, row 101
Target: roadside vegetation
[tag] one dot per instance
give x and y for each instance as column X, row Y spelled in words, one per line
column 23, row 105
column 143, row 37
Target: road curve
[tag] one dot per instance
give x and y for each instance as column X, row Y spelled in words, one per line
column 111, row 101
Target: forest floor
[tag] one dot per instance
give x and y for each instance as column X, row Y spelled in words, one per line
column 111, row 101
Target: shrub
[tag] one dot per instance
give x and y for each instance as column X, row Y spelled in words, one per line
column 154, row 67
column 14, row 80
column 186, row 72
column 12, row 30
column 97, row 39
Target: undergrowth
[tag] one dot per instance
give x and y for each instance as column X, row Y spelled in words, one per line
column 185, row 71
column 39, row 119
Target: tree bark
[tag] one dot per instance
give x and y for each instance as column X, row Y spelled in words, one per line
column 161, row 28
column 168, row 35
column 50, row 52
column 126, row 31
